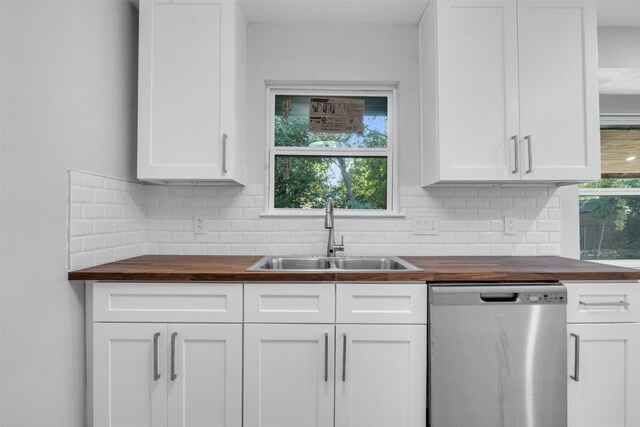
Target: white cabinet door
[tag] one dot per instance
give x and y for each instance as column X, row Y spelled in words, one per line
column 478, row 90
column 186, row 90
column 381, row 375
column 127, row 390
column 288, row 375
column 607, row 392
column 205, row 375
column 559, row 122
column 509, row 92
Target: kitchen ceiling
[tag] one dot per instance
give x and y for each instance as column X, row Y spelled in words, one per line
column 610, row 12
column 335, row 11
column 619, row 13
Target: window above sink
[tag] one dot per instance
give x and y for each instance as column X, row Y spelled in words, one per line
column 336, row 142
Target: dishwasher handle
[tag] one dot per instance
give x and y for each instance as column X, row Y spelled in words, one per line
column 499, row 297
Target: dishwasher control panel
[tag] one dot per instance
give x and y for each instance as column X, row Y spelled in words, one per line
column 544, row 297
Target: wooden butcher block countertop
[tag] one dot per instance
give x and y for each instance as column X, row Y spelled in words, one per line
column 189, row 268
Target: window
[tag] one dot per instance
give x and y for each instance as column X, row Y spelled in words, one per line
column 335, row 143
column 610, row 208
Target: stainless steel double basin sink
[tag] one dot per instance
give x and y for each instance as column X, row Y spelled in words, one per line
column 311, row 263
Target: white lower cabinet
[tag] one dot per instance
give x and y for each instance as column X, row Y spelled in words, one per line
column 381, row 375
column 152, row 365
column 606, row 391
column 380, row 371
column 364, row 366
column 125, row 392
column 158, row 375
column 603, row 354
column 288, row 375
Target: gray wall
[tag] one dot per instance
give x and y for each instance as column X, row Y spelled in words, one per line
column 316, row 52
column 68, row 101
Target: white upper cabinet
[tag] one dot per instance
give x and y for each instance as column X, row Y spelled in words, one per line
column 509, row 92
column 191, row 99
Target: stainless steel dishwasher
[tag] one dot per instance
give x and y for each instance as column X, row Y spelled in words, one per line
column 497, row 355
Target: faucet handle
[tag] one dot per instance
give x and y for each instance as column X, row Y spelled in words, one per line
column 340, row 247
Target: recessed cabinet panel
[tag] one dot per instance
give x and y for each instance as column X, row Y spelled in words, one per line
column 478, row 91
column 380, row 375
column 185, row 113
column 607, row 390
column 289, row 303
column 288, row 375
column 191, row 89
column 603, row 302
column 205, row 386
column 381, row 303
column 126, row 391
column 559, row 90
column 166, row 302
column 509, row 92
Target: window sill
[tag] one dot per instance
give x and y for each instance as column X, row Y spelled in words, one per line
column 338, row 214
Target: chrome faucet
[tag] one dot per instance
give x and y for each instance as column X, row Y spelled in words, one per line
column 332, row 248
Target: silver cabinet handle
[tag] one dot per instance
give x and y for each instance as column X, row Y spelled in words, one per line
column 528, row 138
column 576, row 359
column 326, row 357
column 606, row 304
column 173, row 356
column 344, row 357
column 224, row 153
column 156, row 374
column 516, row 154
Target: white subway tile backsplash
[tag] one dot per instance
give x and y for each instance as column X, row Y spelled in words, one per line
column 477, row 202
column 81, row 195
column 454, row 202
column 238, row 225
column 183, row 237
column 93, row 181
column 254, row 237
column 230, row 237
column 548, row 225
column 80, row 228
column 103, row 226
column 193, row 249
column 500, row 202
column 218, row 249
column 111, row 219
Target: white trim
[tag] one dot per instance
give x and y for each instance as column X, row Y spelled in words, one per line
column 362, row 89
column 619, row 119
column 569, row 227
column 609, row 192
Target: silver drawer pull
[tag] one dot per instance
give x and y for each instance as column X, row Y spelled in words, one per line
column 576, row 359
column 173, row 356
column 624, row 304
column 516, row 154
column 528, row 139
column 344, row 357
column 224, row 153
column 156, row 374
column 326, row 357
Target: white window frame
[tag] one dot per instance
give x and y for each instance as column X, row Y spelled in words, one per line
column 389, row 151
column 620, row 120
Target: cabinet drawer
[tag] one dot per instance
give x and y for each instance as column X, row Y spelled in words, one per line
column 167, row 302
column 598, row 302
column 289, row 303
column 381, row 303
